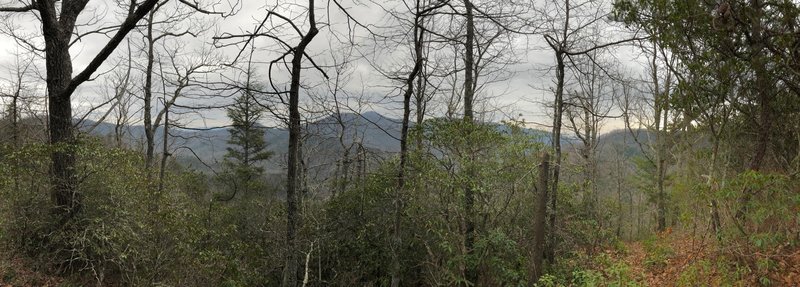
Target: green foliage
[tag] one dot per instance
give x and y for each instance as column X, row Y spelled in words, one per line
column 127, row 232
column 587, row 278
column 244, row 171
column 582, row 270
column 504, row 258
column 771, row 217
column 657, row 252
column 357, row 234
column 713, row 273
column 496, row 162
column 548, row 280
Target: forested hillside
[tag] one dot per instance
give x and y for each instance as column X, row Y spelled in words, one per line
column 400, row 143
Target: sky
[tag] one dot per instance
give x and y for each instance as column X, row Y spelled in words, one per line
column 524, row 93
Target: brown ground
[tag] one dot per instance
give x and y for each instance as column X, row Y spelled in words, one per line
column 15, row 271
column 689, row 250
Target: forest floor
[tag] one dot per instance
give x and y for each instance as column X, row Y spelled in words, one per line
column 18, row 271
column 668, row 259
column 674, row 259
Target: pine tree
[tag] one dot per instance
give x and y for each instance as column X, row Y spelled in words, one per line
column 247, row 148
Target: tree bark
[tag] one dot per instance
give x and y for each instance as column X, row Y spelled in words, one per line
column 59, row 75
column 558, row 107
column 469, row 94
column 399, row 200
column 165, row 153
column 149, row 130
column 58, row 26
column 556, row 145
column 290, row 277
column 539, row 220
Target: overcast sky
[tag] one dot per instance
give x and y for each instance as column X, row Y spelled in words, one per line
column 524, row 92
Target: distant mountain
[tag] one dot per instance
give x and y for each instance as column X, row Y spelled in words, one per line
column 372, row 129
column 622, row 140
column 326, row 138
column 201, row 149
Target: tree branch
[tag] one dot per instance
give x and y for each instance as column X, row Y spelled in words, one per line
column 127, row 26
column 29, row 7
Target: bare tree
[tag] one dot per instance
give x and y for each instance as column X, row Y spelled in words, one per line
column 187, row 73
column 14, row 92
column 162, row 23
column 568, row 33
column 651, row 113
column 586, row 108
column 58, row 24
column 58, row 28
column 297, row 54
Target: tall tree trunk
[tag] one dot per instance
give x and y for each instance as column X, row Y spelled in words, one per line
column 470, row 273
column 58, row 25
column 661, row 104
column 469, row 64
column 421, row 102
column 149, row 130
column 15, row 131
column 558, row 108
column 661, row 201
column 399, row 200
column 539, row 220
column 165, row 152
column 59, row 72
column 290, row 277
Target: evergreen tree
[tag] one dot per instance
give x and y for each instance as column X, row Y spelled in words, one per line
column 247, row 148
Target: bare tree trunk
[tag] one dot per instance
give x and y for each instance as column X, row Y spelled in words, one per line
column 399, row 200
column 471, row 273
column 15, row 130
column 421, row 102
column 556, row 144
column 292, row 176
column 660, row 103
column 558, row 107
column 59, row 73
column 539, row 220
column 149, row 130
column 165, row 152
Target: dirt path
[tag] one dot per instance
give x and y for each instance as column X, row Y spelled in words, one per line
column 696, row 262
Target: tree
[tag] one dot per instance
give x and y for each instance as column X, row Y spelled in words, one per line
column 730, row 55
column 247, row 146
column 14, row 94
column 484, row 39
column 570, row 33
column 186, row 76
column 59, row 29
column 587, row 106
column 298, row 54
column 162, row 23
column 419, row 11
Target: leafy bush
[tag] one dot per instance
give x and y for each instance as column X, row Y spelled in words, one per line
column 714, row 273
column 657, row 252
column 128, row 231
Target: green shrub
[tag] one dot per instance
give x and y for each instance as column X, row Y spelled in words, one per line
column 128, row 231
column 657, row 252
